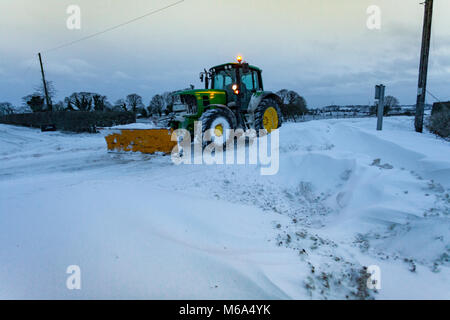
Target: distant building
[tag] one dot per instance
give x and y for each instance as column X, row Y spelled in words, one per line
column 347, row 109
column 330, row 108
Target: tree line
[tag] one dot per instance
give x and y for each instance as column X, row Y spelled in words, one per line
column 90, row 101
column 292, row 103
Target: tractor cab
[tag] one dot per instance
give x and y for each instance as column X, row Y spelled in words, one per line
column 239, row 80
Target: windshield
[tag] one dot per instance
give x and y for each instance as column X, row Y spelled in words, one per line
column 223, row 78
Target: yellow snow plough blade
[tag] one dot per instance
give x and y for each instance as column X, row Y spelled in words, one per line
column 142, row 140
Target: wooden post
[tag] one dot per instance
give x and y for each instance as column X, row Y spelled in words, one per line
column 47, row 98
column 423, row 69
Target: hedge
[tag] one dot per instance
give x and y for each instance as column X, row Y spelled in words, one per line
column 74, row 121
column 440, row 107
column 439, row 123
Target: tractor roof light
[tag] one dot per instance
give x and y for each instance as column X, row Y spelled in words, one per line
column 239, row 59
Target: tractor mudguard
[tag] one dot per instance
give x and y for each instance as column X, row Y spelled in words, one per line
column 258, row 97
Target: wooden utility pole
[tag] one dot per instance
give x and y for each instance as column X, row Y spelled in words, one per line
column 47, row 98
column 423, row 70
column 379, row 94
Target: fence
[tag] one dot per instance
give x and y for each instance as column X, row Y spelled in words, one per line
column 74, row 121
column 327, row 115
column 338, row 115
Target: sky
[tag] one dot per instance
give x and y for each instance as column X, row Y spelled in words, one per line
column 322, row 49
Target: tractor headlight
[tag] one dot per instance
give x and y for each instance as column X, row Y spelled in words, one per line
column 235, row 88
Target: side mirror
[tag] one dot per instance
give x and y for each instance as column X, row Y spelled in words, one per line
column 202, row 76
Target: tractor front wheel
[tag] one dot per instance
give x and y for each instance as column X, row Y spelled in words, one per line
column 216, row 126
column 267, row 116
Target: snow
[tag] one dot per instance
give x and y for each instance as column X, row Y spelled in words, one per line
column 346, row 196
column 137, row 125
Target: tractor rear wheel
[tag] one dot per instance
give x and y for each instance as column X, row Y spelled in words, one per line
column 267, row 116
column 216, row 126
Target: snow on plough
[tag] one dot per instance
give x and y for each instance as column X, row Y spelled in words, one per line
column 233, row 98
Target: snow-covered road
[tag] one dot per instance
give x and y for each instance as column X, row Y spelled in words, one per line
column 138, row 226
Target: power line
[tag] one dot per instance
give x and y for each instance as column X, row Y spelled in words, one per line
column 113, row 28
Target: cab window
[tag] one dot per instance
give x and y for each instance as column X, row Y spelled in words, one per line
column 251, row 81
column 256, row 80
column 247, row 81
column 223, row 78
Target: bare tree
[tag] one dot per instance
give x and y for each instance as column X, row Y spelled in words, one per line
column 144, row 113
column 293, row 104
column 157, row 104
column 283, row 93
column 390, row 103
column 100, row 102
column 59, row 106
column 169, row 100
column 120, row 105
column 81, row 101
column 6, row 108
column 34, row 101
column 39, row 89
column 68, row 104
column 134, row 102
column 293, row 97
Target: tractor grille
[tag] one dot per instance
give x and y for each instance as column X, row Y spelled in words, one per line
column 191, row 102
column 179, row 107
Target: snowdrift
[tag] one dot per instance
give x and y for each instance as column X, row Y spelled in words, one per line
column 346, row 197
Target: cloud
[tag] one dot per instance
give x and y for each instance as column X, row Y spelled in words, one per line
column 322, row 49
column 59, row 69
column 120, row 75
column 79, row 63
column 74, row 68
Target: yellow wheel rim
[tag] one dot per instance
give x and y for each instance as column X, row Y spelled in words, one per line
column 218, row 130
column 270, row 119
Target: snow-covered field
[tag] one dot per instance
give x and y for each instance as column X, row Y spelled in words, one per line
column 138, row 226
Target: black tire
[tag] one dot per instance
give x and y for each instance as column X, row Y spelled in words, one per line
column 213, row 117
column 258, row 120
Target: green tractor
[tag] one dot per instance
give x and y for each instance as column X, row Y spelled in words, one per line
column 233, row 98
